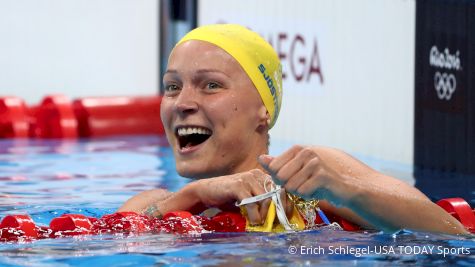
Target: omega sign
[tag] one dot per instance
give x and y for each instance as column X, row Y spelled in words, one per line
column 300, row 53
column 445, row 82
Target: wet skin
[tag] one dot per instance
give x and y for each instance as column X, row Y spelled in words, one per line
column 206, row 88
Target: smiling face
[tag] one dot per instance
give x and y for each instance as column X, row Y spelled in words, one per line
column 213, row 116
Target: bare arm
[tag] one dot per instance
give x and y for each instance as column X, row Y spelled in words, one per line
column 162, row 201
column 195, row 197
column 140, row 202
column 351, row 189
column 358, row 193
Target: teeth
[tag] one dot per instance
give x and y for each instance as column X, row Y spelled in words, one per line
column 192, row 130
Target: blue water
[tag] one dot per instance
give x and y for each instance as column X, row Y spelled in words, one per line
column 94, row 177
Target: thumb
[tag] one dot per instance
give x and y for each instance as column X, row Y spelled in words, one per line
column 265, row 160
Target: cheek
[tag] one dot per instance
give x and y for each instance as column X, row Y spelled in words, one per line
column 235, row 115
column 222, row 110
column 165, row 111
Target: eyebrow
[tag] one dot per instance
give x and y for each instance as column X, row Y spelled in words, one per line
column 171, row 71
column 200, row 71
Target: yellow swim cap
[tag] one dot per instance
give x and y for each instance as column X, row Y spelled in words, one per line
column 254, row 54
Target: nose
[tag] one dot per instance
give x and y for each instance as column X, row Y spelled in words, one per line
column 187, row 101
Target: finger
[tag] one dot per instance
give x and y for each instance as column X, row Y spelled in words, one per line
column 258, row 175
column 252, row 185
column 317, row 187
column 297, row 180
column 264, row 208
column 265, row 160
column 252, row 209
column 253, row 214
column 258, row 182
column 259, row 188
column 276, row 163
column 310, row 188
column 293, row 166
column 316, row 190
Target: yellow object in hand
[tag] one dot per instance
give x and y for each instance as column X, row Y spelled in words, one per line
column 273, row 225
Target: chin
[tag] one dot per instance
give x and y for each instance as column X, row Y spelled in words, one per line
column 192, row 173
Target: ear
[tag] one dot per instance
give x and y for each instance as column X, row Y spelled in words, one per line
column 264, row 116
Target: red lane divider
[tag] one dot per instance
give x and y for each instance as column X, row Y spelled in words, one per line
column 181, row 222
column 22, row 227
column 71, row 224
column 461, row 210
column 346, row 225
column 208, row 224
column 127, row 221
column 13, row 117
column 230, row 222
column 58, row 117
column 105, row 116
column 55, row 118
column 15, row 227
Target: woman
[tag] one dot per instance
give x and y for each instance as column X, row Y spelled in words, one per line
column 222, row 95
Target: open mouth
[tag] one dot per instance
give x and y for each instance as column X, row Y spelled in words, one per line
column 190, row 136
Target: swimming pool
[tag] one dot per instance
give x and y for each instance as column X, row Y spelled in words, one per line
column 47, row 178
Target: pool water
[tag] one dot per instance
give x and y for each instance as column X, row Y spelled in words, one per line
column 47, row 178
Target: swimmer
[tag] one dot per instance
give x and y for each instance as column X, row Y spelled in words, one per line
column 222, row 94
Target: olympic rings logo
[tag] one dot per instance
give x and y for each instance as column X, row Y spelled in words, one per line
column 445, row 85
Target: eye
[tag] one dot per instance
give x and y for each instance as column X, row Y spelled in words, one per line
column 212, row 85
column 171, row 88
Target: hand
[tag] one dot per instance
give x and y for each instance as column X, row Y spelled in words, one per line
column 302, row 172
column 226, row 190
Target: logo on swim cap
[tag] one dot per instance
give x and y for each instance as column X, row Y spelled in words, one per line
column 270, row 84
